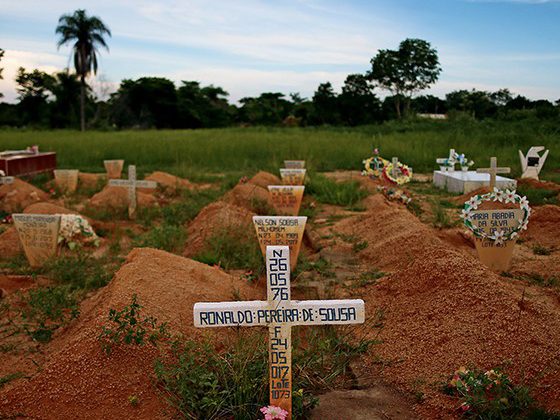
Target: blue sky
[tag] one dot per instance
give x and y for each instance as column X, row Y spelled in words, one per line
column 253, row 46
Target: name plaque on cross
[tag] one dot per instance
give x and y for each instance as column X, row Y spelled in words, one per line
column 293, row 176
column 279, row 313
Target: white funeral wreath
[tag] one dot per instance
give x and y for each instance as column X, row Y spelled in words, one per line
column 507, row 196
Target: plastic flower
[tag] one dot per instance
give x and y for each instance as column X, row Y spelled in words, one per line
column 498, row 237
column 466, row 214
column 524, row 203
column 376, row 151
column 498, row 195
column 474, row 202
column 274, row 413
column 509, row 197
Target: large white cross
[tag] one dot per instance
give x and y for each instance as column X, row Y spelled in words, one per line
column 131, row 183
column 279, row 313
column 493, row 170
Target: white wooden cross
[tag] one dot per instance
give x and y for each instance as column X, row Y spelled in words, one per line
column 395, row 171
column 131, row 183
column 279, row 313
column 493, row 170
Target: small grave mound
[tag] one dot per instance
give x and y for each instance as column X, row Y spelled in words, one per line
column 534, row 183
column 81, row 381
column 10, row 246
column 116, row 198
column 467, row 196
column 17, row 196
column 169, row 182
column 90, row 181
column 250, row 196
column 213, row 219
column 47, row 208
column 264, row 179
column 544, row 226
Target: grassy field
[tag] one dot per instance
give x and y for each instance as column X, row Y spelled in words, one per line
column 194, row 153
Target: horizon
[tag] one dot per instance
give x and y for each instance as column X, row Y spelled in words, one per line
column 256, row 46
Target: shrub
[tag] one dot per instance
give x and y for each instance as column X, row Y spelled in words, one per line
column 327, row 191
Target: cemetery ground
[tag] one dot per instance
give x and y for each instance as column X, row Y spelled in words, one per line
column 107, row 331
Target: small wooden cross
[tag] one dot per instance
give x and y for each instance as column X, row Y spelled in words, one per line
column 395, row 171
column 131, row 183
column 493, row 170
column 279, row 313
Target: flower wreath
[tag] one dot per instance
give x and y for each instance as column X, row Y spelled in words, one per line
column 507, row 196
column 374, row 165
column 406, row 173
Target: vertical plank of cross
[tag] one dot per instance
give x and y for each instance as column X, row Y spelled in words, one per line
column 395, row 170
column 132, row 192
column 493, row 170
column 280, row 336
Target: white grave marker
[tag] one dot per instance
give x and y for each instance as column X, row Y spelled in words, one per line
column 294, row 164
column 533, row 162
column 293, row 176
column 286, row 199
column 5, row 180
column 114, row 168
column 38, row 234
column 279, row 313
column 131, row 183
column 493, row 170
column 66, row 179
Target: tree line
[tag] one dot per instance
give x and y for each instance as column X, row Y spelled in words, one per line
column 64, row 99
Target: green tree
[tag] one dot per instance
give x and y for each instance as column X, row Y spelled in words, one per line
column 33, row 89
column 358, row 103
column 87, row 34
column 411, row 68
column 325, row 105
column 65, row 110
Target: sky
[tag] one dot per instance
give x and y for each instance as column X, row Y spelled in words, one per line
column 254, row 46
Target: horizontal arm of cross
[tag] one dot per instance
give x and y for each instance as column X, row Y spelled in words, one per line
column 128, row 183
column 290, row 313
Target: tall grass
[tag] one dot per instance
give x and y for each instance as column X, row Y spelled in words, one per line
column 187, row 152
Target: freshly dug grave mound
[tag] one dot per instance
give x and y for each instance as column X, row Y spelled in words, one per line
column 443, row 309
column 264, row 179
column 10, row 246
column 47, row 208
column 17, row 196
column 251, row 197
column 544, row 226
column 465, row 197
column 81, row 381
column 116, row 198
column 213, row 219
column 533, row 183
column 90, row 181
column 168, row 182
column 399, row 230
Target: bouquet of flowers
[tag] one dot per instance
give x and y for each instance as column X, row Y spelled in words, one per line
column 75, row 230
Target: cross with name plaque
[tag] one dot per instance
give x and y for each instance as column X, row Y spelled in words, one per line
column 279, row 313
column 132, row 183
column 493, row 170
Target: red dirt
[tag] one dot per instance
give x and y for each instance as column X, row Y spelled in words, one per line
column 215, row 217
column 249, row 196
column 90, row 181
column 17, row 196
column 264, row 179
column 443, row 309
column 47, row 208
column 10, row 284
column 116, row 198
column 10, row 246
column 533, row 183
column 170, row 182
column 544, row 226
column 80, row 381
column 465, row 197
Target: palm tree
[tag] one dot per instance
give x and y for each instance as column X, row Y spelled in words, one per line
column 86, row 32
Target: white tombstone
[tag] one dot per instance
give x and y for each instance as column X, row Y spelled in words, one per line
column 532, row 164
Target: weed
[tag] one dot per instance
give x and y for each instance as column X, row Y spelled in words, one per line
column 233, row 248
column 538, row 196
column 130, row 326
column 46, row 309
column 414, row 208
column 133, row 400
column 170, row 238
column 81, row 271
column 360, row 246
column 327, row 191
column 542, row 250
column 441, row 219
column 10, row 377
column 367, row 278
column 320, row 266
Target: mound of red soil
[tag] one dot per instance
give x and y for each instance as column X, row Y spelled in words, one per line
column 250, row 196
column 443, row 309
column 10, row 246
column 47, row 208
column 116, row 198
column 170, row 182
column 533, row 183
column 544, row 226
column 17, row 196
column 81, row 381
column 264, row 179
column 215, row 218
column 465, row 197
column 90, row 181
